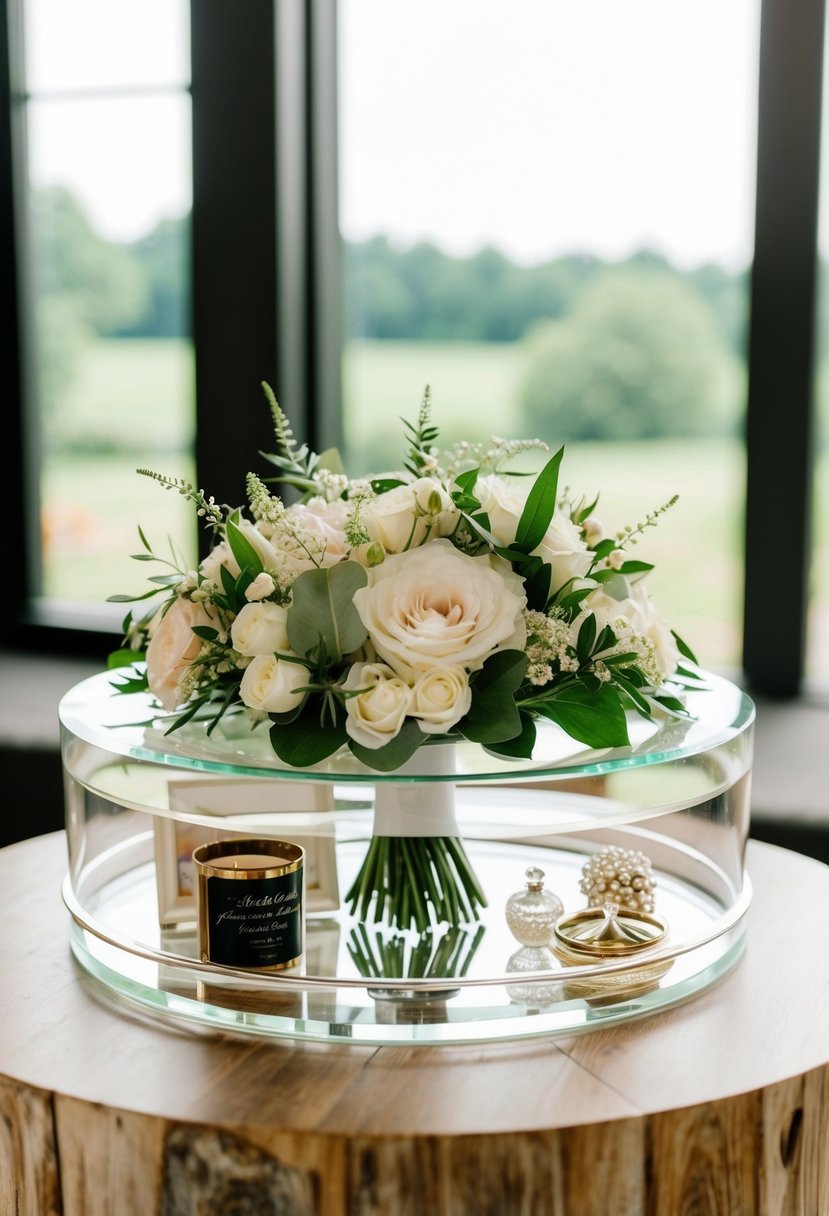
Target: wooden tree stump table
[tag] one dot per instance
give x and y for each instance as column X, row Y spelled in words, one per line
column 718, row 1107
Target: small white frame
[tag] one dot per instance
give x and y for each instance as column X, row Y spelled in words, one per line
column 175, row 839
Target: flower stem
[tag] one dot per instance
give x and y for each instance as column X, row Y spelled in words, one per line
column 416, row 880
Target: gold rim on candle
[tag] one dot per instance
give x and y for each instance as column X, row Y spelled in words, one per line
column 293, row 855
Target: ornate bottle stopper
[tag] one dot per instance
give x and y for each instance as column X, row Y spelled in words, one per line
column 532, row 913
column 619, row 876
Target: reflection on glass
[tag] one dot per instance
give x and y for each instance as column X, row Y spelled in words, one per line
column 109, row 195
column 560, row 256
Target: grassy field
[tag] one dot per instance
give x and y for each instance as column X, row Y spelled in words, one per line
column 92, row 502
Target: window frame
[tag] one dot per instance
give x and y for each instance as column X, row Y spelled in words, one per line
column 274, row 188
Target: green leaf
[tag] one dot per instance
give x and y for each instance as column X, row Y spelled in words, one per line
column 381, row 484
column 635, row 567
column 587, row 511
column 628, row 683
column 537, row 575
column 228, row 583
column 304, row 741
column 539, row 507
column 466, row 481
column 144, row 540
column 131, row 599
column 493, row 715
column 603, row 549
column 520, row 747
column 122, row 658
column 683, row 648
column 391, row 755
column 586, row 638
column 242, row 549
column 322, row 608
column 205, row 632
column 595, row 718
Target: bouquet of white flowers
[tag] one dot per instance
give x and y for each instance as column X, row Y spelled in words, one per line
column 449, row 599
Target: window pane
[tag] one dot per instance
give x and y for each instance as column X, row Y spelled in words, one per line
column 549, row 219
column 98, row 44
column 109, row 194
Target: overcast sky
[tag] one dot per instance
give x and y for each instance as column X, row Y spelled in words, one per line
column 538, row 126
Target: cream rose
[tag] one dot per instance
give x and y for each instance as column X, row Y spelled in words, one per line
column 564, row 548
column 172, row 648
column 270, row 685
column 436, row 607
column 503, row 503
column 639, row 612
column 403, row 517
column 324, row 522
column 440, row 699
column 374, row 717
column 261, row 587
column 260, row 629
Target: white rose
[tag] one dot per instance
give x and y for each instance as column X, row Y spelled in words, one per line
column 260, row 629
column 261, row 587
column 638, row 610
column 564, row 548
column 440, row 699
column 503, row 503
column 172, row 648
column 375, row 716
column 436, row 607
column 325, row 522
column 403, row 517
column 270, row 685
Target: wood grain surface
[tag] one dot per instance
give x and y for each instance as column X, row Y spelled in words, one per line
column 719, row 1107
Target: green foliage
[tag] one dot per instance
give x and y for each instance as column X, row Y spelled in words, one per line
column 638, row 357
column 493, row 715
column 593, row 717
column 322, row 611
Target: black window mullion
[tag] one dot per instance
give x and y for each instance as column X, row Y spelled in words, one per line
column 780, row 419
column 234, row 244
column 18, row 449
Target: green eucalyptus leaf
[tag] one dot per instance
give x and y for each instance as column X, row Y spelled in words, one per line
column 322, row 608
column 539, row 507
column 595, row 718
column 304, row 741
column 393, row 754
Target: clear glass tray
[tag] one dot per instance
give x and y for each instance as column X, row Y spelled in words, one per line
column 137, row 799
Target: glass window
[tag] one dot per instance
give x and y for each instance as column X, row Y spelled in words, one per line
column 549, row 220
column 108, row 195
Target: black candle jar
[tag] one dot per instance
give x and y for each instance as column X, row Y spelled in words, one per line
column 250, row 903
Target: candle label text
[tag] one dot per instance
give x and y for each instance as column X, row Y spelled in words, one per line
column 255, row 922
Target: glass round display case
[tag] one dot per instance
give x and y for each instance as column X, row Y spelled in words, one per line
column 463, row 898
